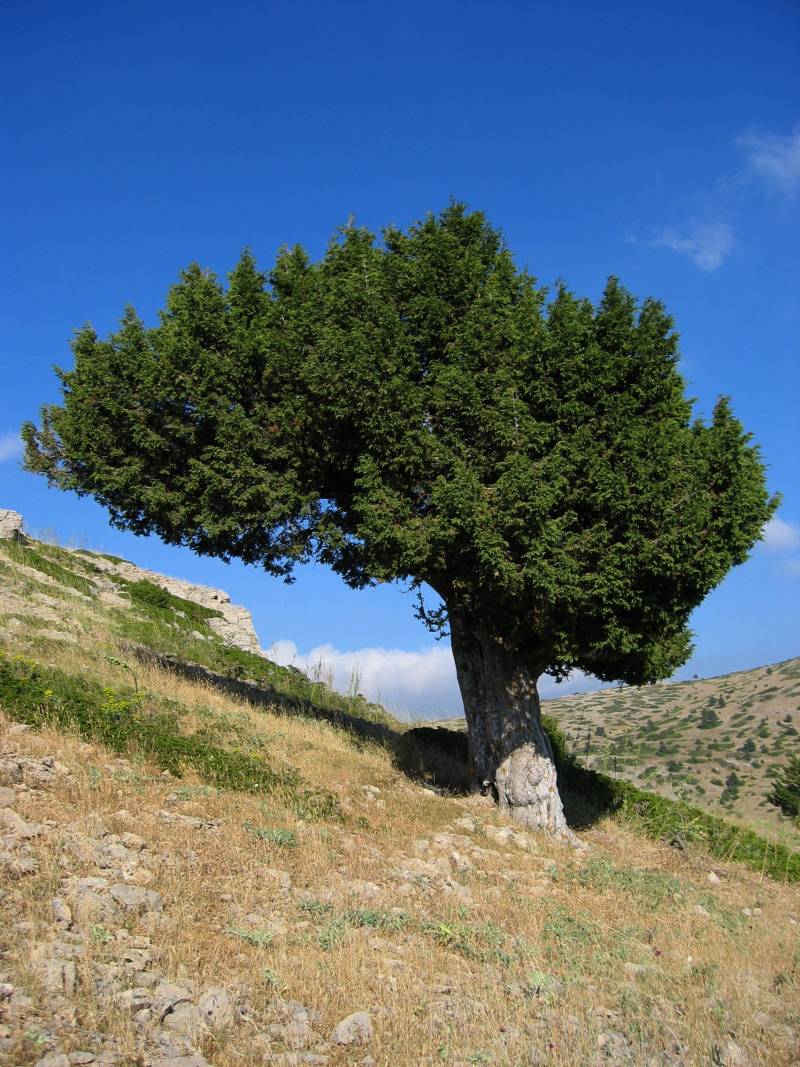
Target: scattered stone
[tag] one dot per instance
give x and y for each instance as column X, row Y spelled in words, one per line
column 53, row 1059
column 356, row 1029
column 189, row 820
column 134, row 1000
column 17, row 827
column 713, row 878
column 297, row 1059
column 216, row 1009
column 14, row 865
column 89, row 901
column 167, row 997
column 7, row 796
column 65, row 637
column 61, row 911
column 184, row 1020
column 133, row 898
column 466, row 822
column 733, row 1055
column 615, row 1046
column 195, row 1060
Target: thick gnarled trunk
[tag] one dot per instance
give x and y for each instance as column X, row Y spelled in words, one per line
column 511, row 753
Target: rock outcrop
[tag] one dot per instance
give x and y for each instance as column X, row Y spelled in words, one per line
column 10, row 525
column 235, row 626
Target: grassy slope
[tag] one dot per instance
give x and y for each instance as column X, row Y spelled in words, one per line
column 339, row 881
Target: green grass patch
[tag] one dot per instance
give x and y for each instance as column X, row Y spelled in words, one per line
column 653, row 889
column 482, row 942
column 30, row 557
column 280, row 837
column 257, row 938
column 122, row 720
column 158, row 602
column 102, row 555
column 155, row 629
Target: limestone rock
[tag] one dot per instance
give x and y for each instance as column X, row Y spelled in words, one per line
column 135, row 899
column 10, row 525
column 185, row 1021
column 733, row 1055
column 53, row 1059
column 234, row 623
column 14, row 824
column 216, row 1009
column 61, row 911
column 356, row 1029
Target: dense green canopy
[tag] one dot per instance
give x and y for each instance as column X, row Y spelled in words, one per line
column 416, row 408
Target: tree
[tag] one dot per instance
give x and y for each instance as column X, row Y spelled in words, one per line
column 731, row 790
column 417, row 409
column 785, row 792
column 708, row 719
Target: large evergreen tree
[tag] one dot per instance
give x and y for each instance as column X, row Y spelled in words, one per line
column 415, row 409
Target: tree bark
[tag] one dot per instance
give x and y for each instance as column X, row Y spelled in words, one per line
column 511, row 754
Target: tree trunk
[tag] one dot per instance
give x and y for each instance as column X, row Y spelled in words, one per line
column 511, row 753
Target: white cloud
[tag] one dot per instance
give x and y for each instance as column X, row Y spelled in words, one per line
column 707, row 245
column 780, row 536
column 10, row 446
column 774, row 159
column 414, row 684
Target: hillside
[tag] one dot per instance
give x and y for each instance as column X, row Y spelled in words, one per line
column 715, row 741
column 206, row 859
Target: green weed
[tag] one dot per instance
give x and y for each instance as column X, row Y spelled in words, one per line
column 259, row 938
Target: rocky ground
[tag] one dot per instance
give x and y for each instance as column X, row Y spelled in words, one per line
column 105, row 959
column 85, row 944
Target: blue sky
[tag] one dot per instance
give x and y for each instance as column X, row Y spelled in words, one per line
column 659, row 142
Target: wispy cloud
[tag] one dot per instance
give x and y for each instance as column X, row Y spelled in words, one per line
column 773, row 158
column 10, row 446
column 421, row 683
column 707, row 245
column 780, row 536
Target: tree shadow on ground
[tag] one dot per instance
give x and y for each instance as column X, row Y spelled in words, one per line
column 435, row 755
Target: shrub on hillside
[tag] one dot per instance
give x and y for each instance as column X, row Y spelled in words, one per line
column 785, row 792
